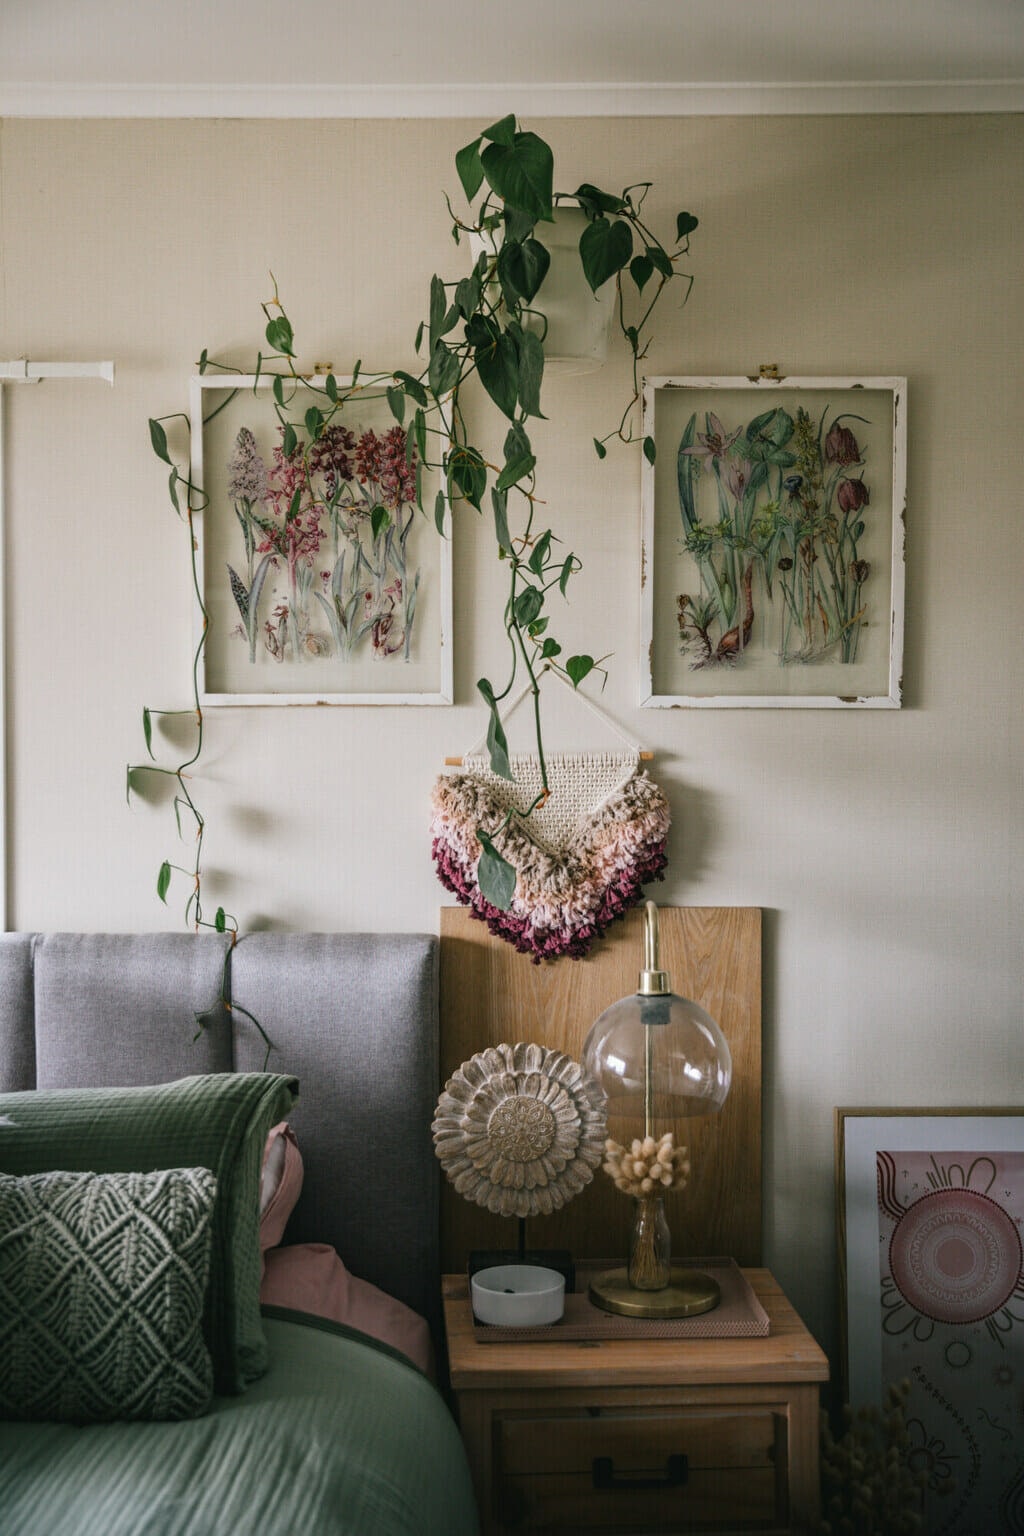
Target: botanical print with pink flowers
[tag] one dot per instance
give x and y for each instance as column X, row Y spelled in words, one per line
column 324, row 532
column 321, row 571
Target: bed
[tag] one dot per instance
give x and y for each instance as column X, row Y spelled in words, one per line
column 114, row 1097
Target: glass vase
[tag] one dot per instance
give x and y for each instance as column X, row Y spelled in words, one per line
column 650, row 1247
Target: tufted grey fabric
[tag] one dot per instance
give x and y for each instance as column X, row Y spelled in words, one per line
column 17, row 1032
column 114, row 1010
column 353, row 1016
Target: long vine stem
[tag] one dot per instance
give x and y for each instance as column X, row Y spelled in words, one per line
column 223, row 922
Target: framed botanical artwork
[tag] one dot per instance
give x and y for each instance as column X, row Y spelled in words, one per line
column 930, row 1206
column 772, row 559
column 323, row 581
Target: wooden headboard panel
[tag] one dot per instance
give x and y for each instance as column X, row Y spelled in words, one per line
column 491, row 994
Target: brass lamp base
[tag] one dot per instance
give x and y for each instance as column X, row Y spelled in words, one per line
column 687, row 1294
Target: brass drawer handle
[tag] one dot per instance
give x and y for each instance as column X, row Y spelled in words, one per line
column 604, row 1475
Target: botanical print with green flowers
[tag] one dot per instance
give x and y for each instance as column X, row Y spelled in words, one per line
column 323, row 565
column 774, row 513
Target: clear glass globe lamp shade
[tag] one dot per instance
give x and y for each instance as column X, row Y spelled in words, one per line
column 658, row 1060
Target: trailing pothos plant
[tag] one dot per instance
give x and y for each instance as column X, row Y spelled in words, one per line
column 487, row 324
column 187, row 499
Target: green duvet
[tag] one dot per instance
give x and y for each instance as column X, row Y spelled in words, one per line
column 341, row 1437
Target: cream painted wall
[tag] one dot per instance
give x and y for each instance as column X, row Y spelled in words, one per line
column 884, row 847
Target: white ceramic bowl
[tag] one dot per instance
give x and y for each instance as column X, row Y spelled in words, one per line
column 518, row 1295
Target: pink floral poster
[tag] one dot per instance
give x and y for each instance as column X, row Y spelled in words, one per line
column 951, row 1297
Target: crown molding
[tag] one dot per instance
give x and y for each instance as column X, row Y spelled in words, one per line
column 616, row 99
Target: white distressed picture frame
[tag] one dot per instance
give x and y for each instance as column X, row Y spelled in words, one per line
column 293, row 677
column 688, row 662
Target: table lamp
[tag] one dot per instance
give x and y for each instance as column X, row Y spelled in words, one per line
column 657, row 1059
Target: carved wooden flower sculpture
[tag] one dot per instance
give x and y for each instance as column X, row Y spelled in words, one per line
column 519, row 1129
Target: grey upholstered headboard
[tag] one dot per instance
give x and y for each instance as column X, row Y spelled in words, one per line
column 353, row 1016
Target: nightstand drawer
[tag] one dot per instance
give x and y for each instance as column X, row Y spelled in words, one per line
column 608, row 1469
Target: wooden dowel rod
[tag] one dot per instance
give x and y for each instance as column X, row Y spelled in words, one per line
column 456, row 762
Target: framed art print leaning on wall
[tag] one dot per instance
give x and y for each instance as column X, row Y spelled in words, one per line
column 930, row 1206
column 772, row 557
column 323, row 581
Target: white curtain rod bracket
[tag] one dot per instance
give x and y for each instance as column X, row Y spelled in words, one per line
column 21, row 371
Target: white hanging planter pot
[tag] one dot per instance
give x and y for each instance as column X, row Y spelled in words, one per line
column 578, row 320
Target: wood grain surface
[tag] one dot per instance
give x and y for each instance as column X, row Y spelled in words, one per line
column 490, row 994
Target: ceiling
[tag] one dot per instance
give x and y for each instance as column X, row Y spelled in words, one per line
column 432, row 58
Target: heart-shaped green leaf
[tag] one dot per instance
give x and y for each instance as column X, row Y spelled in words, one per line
column 497, row 744
column 514, row 471
column 437, row 308
column 577, row 667
column 594, row 202
column 412, row 386
column 640, row 270
column 467, row 473
column 522, row 267
column 527, row 606
column 516, row 441
column 158, row 438
column 531, row 372
column 521, row 172
column 495, row 876
column 471, row 172
column 686, row 223
column 497, row 363
column 499, row 501
column 279, row 335
column 443, row 372
column 539, row 554
column 605, row 247
column 660, row 259
column 468, row 292
column 502, row 132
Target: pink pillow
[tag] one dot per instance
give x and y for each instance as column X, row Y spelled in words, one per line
column 310, row 1277
column 280, row 1184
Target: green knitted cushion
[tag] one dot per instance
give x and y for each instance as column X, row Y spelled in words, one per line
column 102, row 1283
column 218, row 1122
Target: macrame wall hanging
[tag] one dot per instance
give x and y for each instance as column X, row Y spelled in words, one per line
column 581, row 859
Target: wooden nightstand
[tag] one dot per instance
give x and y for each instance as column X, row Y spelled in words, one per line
column 641, row 1437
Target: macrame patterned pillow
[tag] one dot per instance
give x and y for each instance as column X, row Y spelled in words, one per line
column 581, row 861
column 102, row 1283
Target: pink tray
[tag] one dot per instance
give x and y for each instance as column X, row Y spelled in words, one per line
column 739, row 1314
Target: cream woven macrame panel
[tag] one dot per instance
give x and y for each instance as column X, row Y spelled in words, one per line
column 580, row 783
